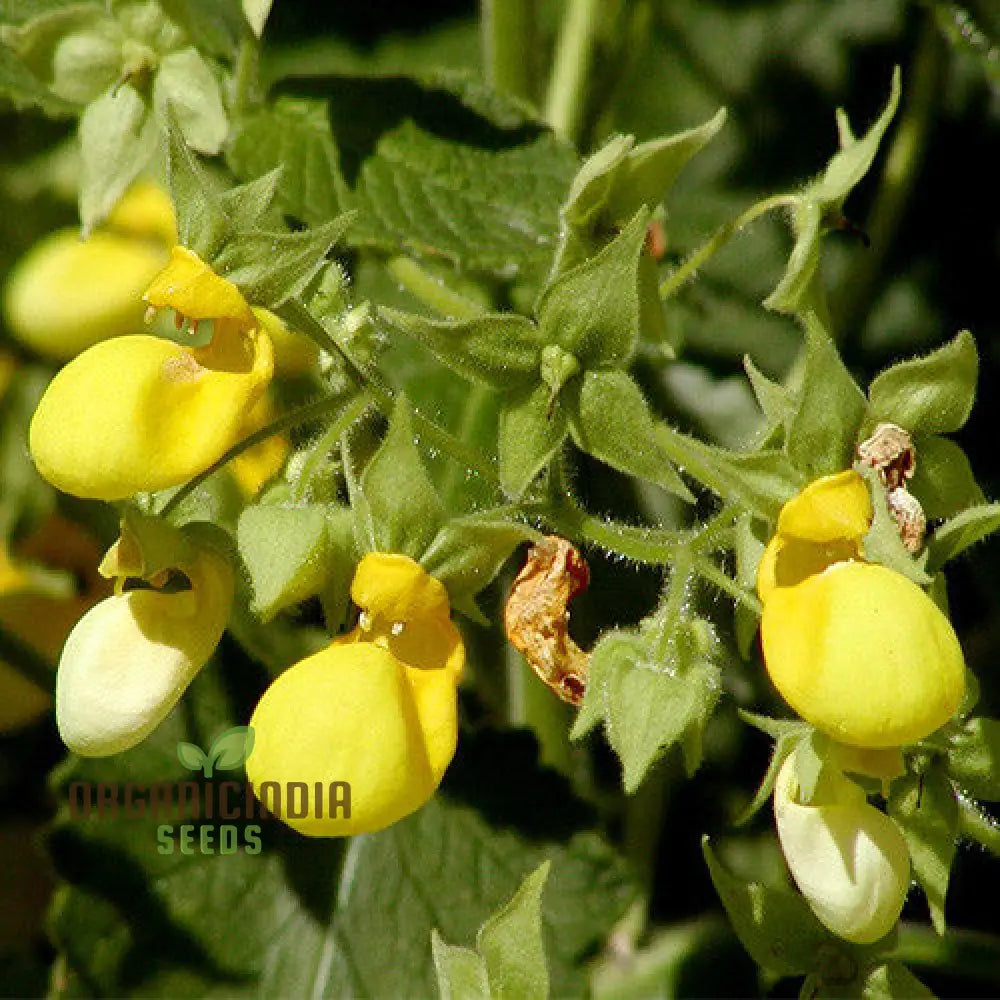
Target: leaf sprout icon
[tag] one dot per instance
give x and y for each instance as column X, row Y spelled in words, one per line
column 230, row 749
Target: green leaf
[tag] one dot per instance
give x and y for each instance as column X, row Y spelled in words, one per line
column 787, row 735
column 532, row 428
column 925, row 808
column 974, row 758
column 511, row 944
column 610, row 419
column 929, row 395
column 286, row 551
column 191, row 756
column 774, row 399
column 461, row 972
column 893, row 981
column 256, row 13
column 118, row 137
column 775, row 926
column 186, row 85
column 943, row 481
column 652, row 694
column 405, row 509
column 831, row 408
column 230, row 749
column 24, row 90
column 960, row 533
column 467, row 553
column 748, row 548
column 501, row 351
column 271, row 268
column 800, row 287
column 217, row 25
column 592, row 311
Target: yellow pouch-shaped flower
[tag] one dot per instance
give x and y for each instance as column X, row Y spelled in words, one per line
column 131, row 657
column 849, row 860
column 855, row 648
column 376, row 709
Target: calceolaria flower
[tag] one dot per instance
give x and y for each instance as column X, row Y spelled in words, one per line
column 855, row 648
column 376, row 708
column 849, row 860
column 130, row 658
column 67, row 293
column 142, row 413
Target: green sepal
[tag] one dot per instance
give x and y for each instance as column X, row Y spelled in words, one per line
column 403, row 504
column 892, row 981
column 787, row 735
column 185, row 83
column 748, row 547
column 610, row 419
column 924, row 806
column 973, row 758
column 775, row 400
column 468, row 552
column 652, row 694
column 147, row 545
column 592, row 310
column 118, row 137
column 882, row 543
column 461, row 972
column 761, row 916
column 943, row 481
column 501, row 351
column 929, row 395
column 830, row 409
column 819, row 206
column 531, row 430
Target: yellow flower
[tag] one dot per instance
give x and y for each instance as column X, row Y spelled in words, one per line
column 257, row 466
column 141, row 413
column 855, row 648
column 376, row 708
column 67, row 294
column 131, row 657
column 849, row 860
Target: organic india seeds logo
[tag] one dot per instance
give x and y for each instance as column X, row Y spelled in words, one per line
column 192, row 807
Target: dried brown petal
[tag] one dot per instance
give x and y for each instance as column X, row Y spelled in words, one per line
column 890, row 452
column 537, row 620
column 909, row 517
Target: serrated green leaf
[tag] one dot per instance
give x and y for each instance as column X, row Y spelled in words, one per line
column 191, row 756
column 271, row 268
column 292, row 135
column 592, row 310
column 501, row 351
column 943, row 481
column 960, row 533
column 406, row 511
column 467, row 553
column 893, row 981
column 974, row 758
column 929, row 395
column 461, row 972
column 286, row 551
column 118, row 136
column 924, row 806
column 511, row 944
column 532, row 428
column 610, row 419
column 775, row 926
column 830, row 409
column 186, row 85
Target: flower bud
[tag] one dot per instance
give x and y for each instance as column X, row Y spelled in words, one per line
column 131, row 657
column 849, row 860
column 855, row 648
column 376, row 708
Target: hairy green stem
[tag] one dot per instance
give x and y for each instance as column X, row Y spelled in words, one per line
column 976, row 825
column 246, row 84
column 508, row 31
column 22, row 658
column 719, row 239
column 565, row 101
column 721, row 579
column 430, row 290
column 856, row 293
column 352, row 410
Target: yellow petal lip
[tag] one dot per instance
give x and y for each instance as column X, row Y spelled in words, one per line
column 831, row 508
column 67, row 294
column 394, row 586
column 864, row 655
column 138, row 414
column 188, row 285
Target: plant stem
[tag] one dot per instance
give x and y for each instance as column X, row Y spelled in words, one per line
column 508, row 28
column 566, row 98
column 719, row 239
column 430, row 290
column 973, row 954
column 352, row 410
column 22, row 658
column 726, row 584
column 977, row 826
column 246, row 85
column 856, row 293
